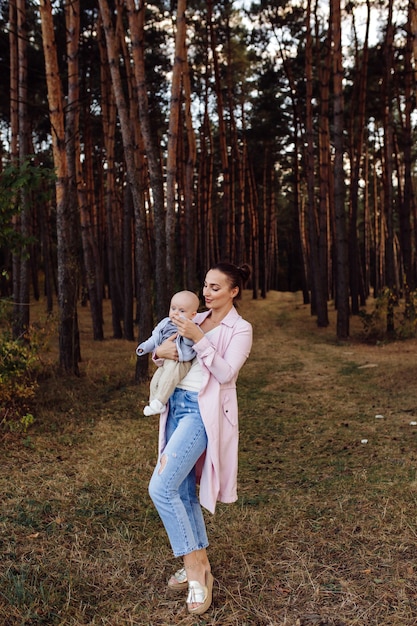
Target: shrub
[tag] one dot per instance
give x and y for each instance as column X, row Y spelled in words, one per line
column 408, row 324
column 375, row 322
column 391, row 319
column 18, row 380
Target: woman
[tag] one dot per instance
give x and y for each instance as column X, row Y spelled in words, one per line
column 198, row 436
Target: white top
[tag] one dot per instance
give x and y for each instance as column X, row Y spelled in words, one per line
column 192, row 381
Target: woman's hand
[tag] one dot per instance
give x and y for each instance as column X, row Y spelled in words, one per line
column 187, row 328
column 167, row 349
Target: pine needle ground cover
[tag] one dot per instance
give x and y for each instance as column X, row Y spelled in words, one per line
column 323, row 533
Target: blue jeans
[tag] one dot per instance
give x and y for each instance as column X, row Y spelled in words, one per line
column 173, row 483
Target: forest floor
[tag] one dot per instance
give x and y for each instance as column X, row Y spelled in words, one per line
column 324, row 531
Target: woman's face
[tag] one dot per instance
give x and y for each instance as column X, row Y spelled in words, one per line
column 217, row 292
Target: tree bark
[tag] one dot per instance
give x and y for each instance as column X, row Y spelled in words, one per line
column 319, row 300
column 128, row 265
column 190, row 277
column 407, row 206
column 67, row 215
column 128, row 136
column 206, row 221
column 14, row 151
column 137, row 30
column 389, row 150
column 356, row 138
column 110, row 200
column 324, row 73
column 78, row 191
column 224, row 218
column 173, row 130
column 299, row 207
column 23, row 318
column 342, row 263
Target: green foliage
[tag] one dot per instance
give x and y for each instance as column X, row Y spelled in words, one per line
column 19, row 366
column 408, row 323
column 375, row 322
column 391, row 319
column 17, row 384
column 13, row 179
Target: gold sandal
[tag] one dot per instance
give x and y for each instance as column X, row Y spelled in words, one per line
column 200, row 594
column 178, row 581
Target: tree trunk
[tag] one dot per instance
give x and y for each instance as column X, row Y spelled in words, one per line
column 412, row 10
column 324, row 73
column 389, row 150
column 68, row 269
column 173, row 130
column 128, row 265
column 356, row 137
column 206, row 221
column 21, row 323
column 189, row 200
column 342, row 263
column 265, row 210
column 224, row 218
column 299, row 208
column 14, row 149
column 367, row 228
column 408, row 201
column 319, row 300
column 45, row 238
column 128, row 136
column 137, row 30
column 77, row 187
column 109, row 124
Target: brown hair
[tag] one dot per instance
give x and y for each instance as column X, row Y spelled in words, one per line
column 237, row 276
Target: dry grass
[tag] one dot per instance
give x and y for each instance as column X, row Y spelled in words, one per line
column 323, row 533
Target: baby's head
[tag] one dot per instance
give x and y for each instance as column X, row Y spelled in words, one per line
column 184, row 303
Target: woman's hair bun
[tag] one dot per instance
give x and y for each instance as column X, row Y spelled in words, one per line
column 245, row 271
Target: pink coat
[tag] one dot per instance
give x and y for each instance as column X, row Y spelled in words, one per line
column 221, row 358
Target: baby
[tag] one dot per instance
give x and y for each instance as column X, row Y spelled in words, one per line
column 168, row 375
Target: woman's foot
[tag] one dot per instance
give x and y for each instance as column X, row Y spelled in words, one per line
column 200, row 581
column 200, row 596
column 178, row 581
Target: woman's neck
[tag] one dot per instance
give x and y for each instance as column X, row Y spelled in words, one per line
column 217, row 316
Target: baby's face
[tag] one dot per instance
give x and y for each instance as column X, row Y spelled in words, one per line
column 180, row 306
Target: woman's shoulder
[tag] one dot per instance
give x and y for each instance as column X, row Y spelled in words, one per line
column 234, row 318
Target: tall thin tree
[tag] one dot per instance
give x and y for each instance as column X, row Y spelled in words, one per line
column 14, row 152
column 136, row 15
column 67, row 213
column 143, row 278
column 77, row 182
column 173, row 130
column 341, row 243
column 318, row 285
column 388, row 169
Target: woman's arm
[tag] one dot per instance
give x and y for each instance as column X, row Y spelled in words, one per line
column 188, row 329
column 225, row 368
